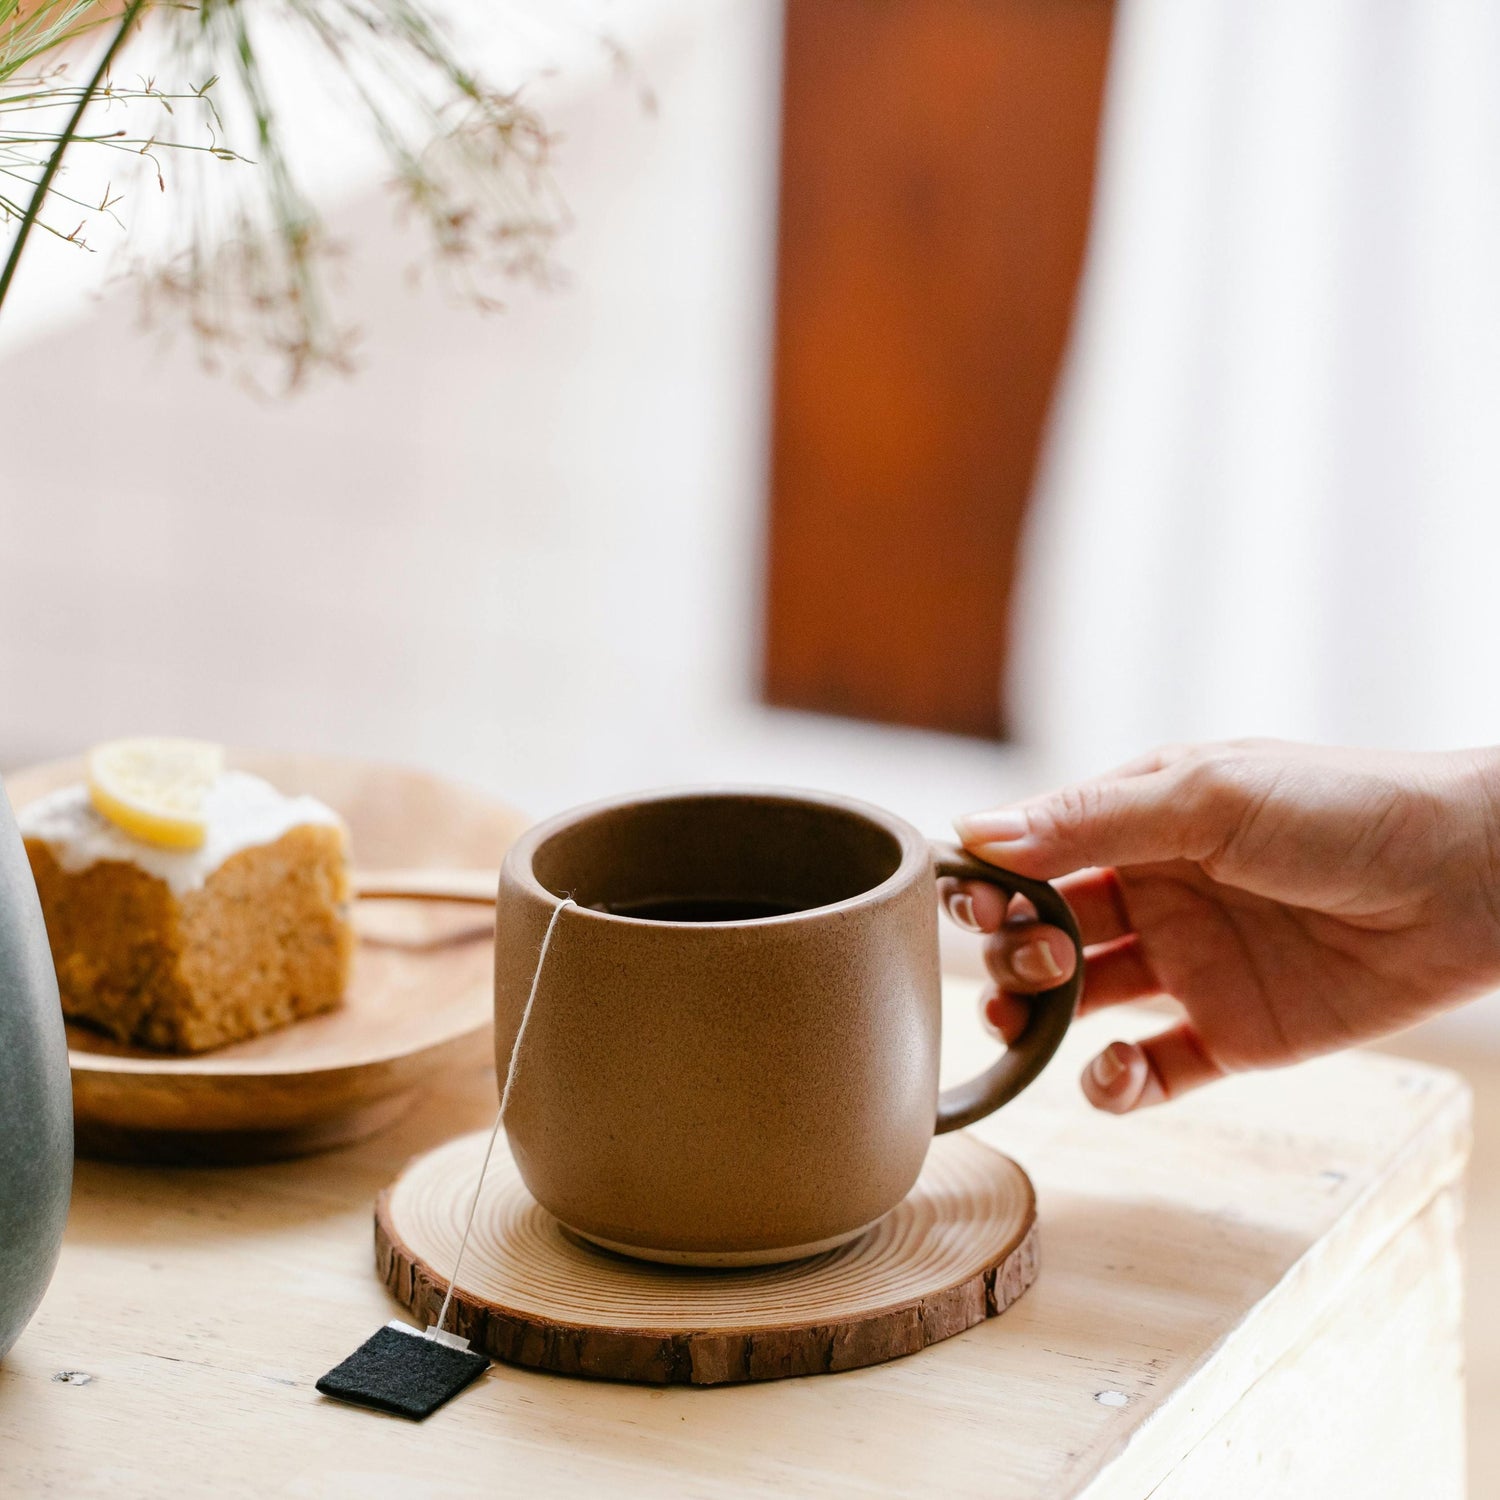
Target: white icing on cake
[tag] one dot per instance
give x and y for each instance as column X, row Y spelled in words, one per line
column 241, row 812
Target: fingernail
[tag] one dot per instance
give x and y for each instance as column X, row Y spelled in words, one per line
column 1035, row 963
column 962, row 908
column 1110, row 1066
column 1002, row 825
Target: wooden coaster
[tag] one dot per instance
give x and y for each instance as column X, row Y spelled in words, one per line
column 960, row 1248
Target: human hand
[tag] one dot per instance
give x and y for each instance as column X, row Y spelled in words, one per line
column 1293, row 899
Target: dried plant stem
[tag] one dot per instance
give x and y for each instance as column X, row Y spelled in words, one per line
column 255, row 277
column 132, row 9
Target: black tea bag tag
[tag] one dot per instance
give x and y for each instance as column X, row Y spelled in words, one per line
column 400, row 1369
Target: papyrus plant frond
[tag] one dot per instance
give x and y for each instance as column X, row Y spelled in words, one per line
column 251, row 266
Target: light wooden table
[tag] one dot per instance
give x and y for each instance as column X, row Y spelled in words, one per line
column 1255, row 1292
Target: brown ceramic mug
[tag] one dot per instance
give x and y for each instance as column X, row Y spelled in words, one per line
column 733, row 1053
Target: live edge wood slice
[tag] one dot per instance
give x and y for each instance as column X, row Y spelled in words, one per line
column 960, row 1248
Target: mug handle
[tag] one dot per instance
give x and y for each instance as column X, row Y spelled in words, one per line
column 1051, row 1010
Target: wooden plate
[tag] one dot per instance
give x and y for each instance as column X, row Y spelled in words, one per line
column 419, row 1002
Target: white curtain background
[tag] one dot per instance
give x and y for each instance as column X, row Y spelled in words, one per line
column 522, row 550
column 1271, row 503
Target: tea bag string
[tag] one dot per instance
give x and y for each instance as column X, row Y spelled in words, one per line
column 510, row 1079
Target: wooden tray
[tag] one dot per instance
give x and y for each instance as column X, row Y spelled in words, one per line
column 419, row 1003
column 960, row 1248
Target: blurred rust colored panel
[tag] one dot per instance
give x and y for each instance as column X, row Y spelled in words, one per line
column 937, row 169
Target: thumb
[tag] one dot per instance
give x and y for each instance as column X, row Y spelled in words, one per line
column 1128, row 820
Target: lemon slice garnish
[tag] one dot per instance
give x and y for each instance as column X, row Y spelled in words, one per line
column 154, row 789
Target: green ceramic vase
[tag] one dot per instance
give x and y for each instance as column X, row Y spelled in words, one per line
column 36, row 1102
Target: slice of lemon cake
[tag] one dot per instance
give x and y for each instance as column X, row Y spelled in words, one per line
column 188, row 905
